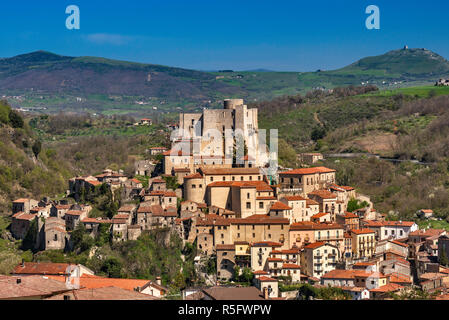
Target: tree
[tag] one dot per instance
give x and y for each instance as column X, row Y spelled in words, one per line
column 318, row 133
column 112, row 267
column 37, row 147
column 15, row 119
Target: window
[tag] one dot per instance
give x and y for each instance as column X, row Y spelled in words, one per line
column 211, row 178
column 224, row 178
column 254, row 235
column 260, row 205
column 233, row 178
column 241, row 178
column 201, row 186
column 250, row 178
column 248, row 196
column 248, row 205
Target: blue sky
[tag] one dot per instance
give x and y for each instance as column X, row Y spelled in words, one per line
column 209, row 35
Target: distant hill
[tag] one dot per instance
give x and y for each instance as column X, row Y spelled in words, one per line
column 53, row 73
column 403, row 62
column 93, row 78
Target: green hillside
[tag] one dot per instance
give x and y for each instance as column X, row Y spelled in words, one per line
column 51, row 82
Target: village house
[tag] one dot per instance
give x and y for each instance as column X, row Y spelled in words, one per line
column 303, row 233
column 56, row 237
column 390, row 229
column 252, row 229
column 21, row 223
column 23, row 205
column 299, row 208
column 310, row 158
column 319, row 258
column 425, row 213
column 157, row 150
column 260, row 252
column 144, row 168
column 363, row 243
column 305, row 180
column 349, row 220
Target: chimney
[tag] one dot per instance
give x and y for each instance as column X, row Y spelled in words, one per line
column 18, row 280
column 265, row 293
column 23, row 263
column 158, row 281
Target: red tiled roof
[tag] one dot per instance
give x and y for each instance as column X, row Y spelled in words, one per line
column 314, row 245
column 308, row 171
column 374, row 223
column 388, row 288
column 259, row 272
column 266, row 279
column 266, row 244
column 362, row 231
column 294, row 198
column 319, row 215
column 323, row 194
column 290, row 266
column 308, row 225
column 44, row 268
column 280, row 206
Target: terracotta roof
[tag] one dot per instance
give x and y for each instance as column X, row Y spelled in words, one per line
column 21, row 200
column 310, row 202
column 314, row 245
column 266, row 198
column 266, row 244
column 323, row 194
column 279, row 206
column 274, row 260
column 349, row 215
column 362, row 231
column 308, row 225
column 95, row 220
column 319, row 215
column 388, row 288
column 290, row 266
column 225, row 247
column 260, row 272
column 233, row 293
column 308, row 171
column 196, row 175
column 266, row 279
column 42, row 268
column 35, row 286
column 126, row 208
column 104, row 293
column 230, row 171
column 294, row 198
column 374, row 223
column 24, row 216
column 74, row 212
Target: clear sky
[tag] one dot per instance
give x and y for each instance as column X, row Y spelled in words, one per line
column 283, row 35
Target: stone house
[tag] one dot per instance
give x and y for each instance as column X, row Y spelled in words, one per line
column 56, row 237
column 225, row 261
column 319, row 258
column 305, row 180
column 21, row 223
column 23, row 205
column 144, row 168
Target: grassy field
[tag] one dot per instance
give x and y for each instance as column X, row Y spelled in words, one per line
column 435, row 224
column 418, row 92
